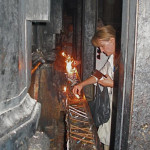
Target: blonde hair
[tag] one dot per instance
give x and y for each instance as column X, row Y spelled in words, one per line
column 104, row 33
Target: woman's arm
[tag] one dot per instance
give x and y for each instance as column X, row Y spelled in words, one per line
column 107, row 82
column 77, row 88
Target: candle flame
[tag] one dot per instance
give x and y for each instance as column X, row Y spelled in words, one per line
column 68, row 57
column 65, row 88
column 69, row 66
column 63, row 54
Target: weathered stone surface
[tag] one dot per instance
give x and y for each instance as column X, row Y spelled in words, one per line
column 140, row 121
column 88, row 30
column 19, row 114
column 56, row 16
column 39, row 141
column 12, row 57
column 38, row 10
column 19, row 124
column 12, row 118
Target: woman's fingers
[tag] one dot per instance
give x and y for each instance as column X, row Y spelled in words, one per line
column 107, row 82
column 102, row 82
column 77, row 89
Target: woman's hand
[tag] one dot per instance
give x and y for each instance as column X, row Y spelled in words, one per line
column 106, row 82
column 77, row 89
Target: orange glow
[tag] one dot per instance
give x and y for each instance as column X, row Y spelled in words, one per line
column 35, row 68
column 20, row 66
column 84, row 97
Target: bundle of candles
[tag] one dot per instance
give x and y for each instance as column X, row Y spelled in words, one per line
column 71, row 74
column 80, row 129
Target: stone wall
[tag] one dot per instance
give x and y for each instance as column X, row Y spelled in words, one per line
column 133, row 120
column 19, row 113
column 140, row 121
column 88, row 30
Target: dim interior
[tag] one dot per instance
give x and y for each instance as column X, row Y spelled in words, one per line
column 48, row 75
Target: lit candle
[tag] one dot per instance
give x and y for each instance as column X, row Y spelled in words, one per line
column 69, row 66
column 63, row 54
column 65, row 88
column 77, row 96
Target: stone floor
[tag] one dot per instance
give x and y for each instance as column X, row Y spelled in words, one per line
column 39, row 141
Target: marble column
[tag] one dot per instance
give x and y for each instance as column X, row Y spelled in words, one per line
column 133, row 119
column 88, row 30
column 19, row 113
column 139, row 134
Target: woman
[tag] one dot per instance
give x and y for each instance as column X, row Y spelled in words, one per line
column 105, row 39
